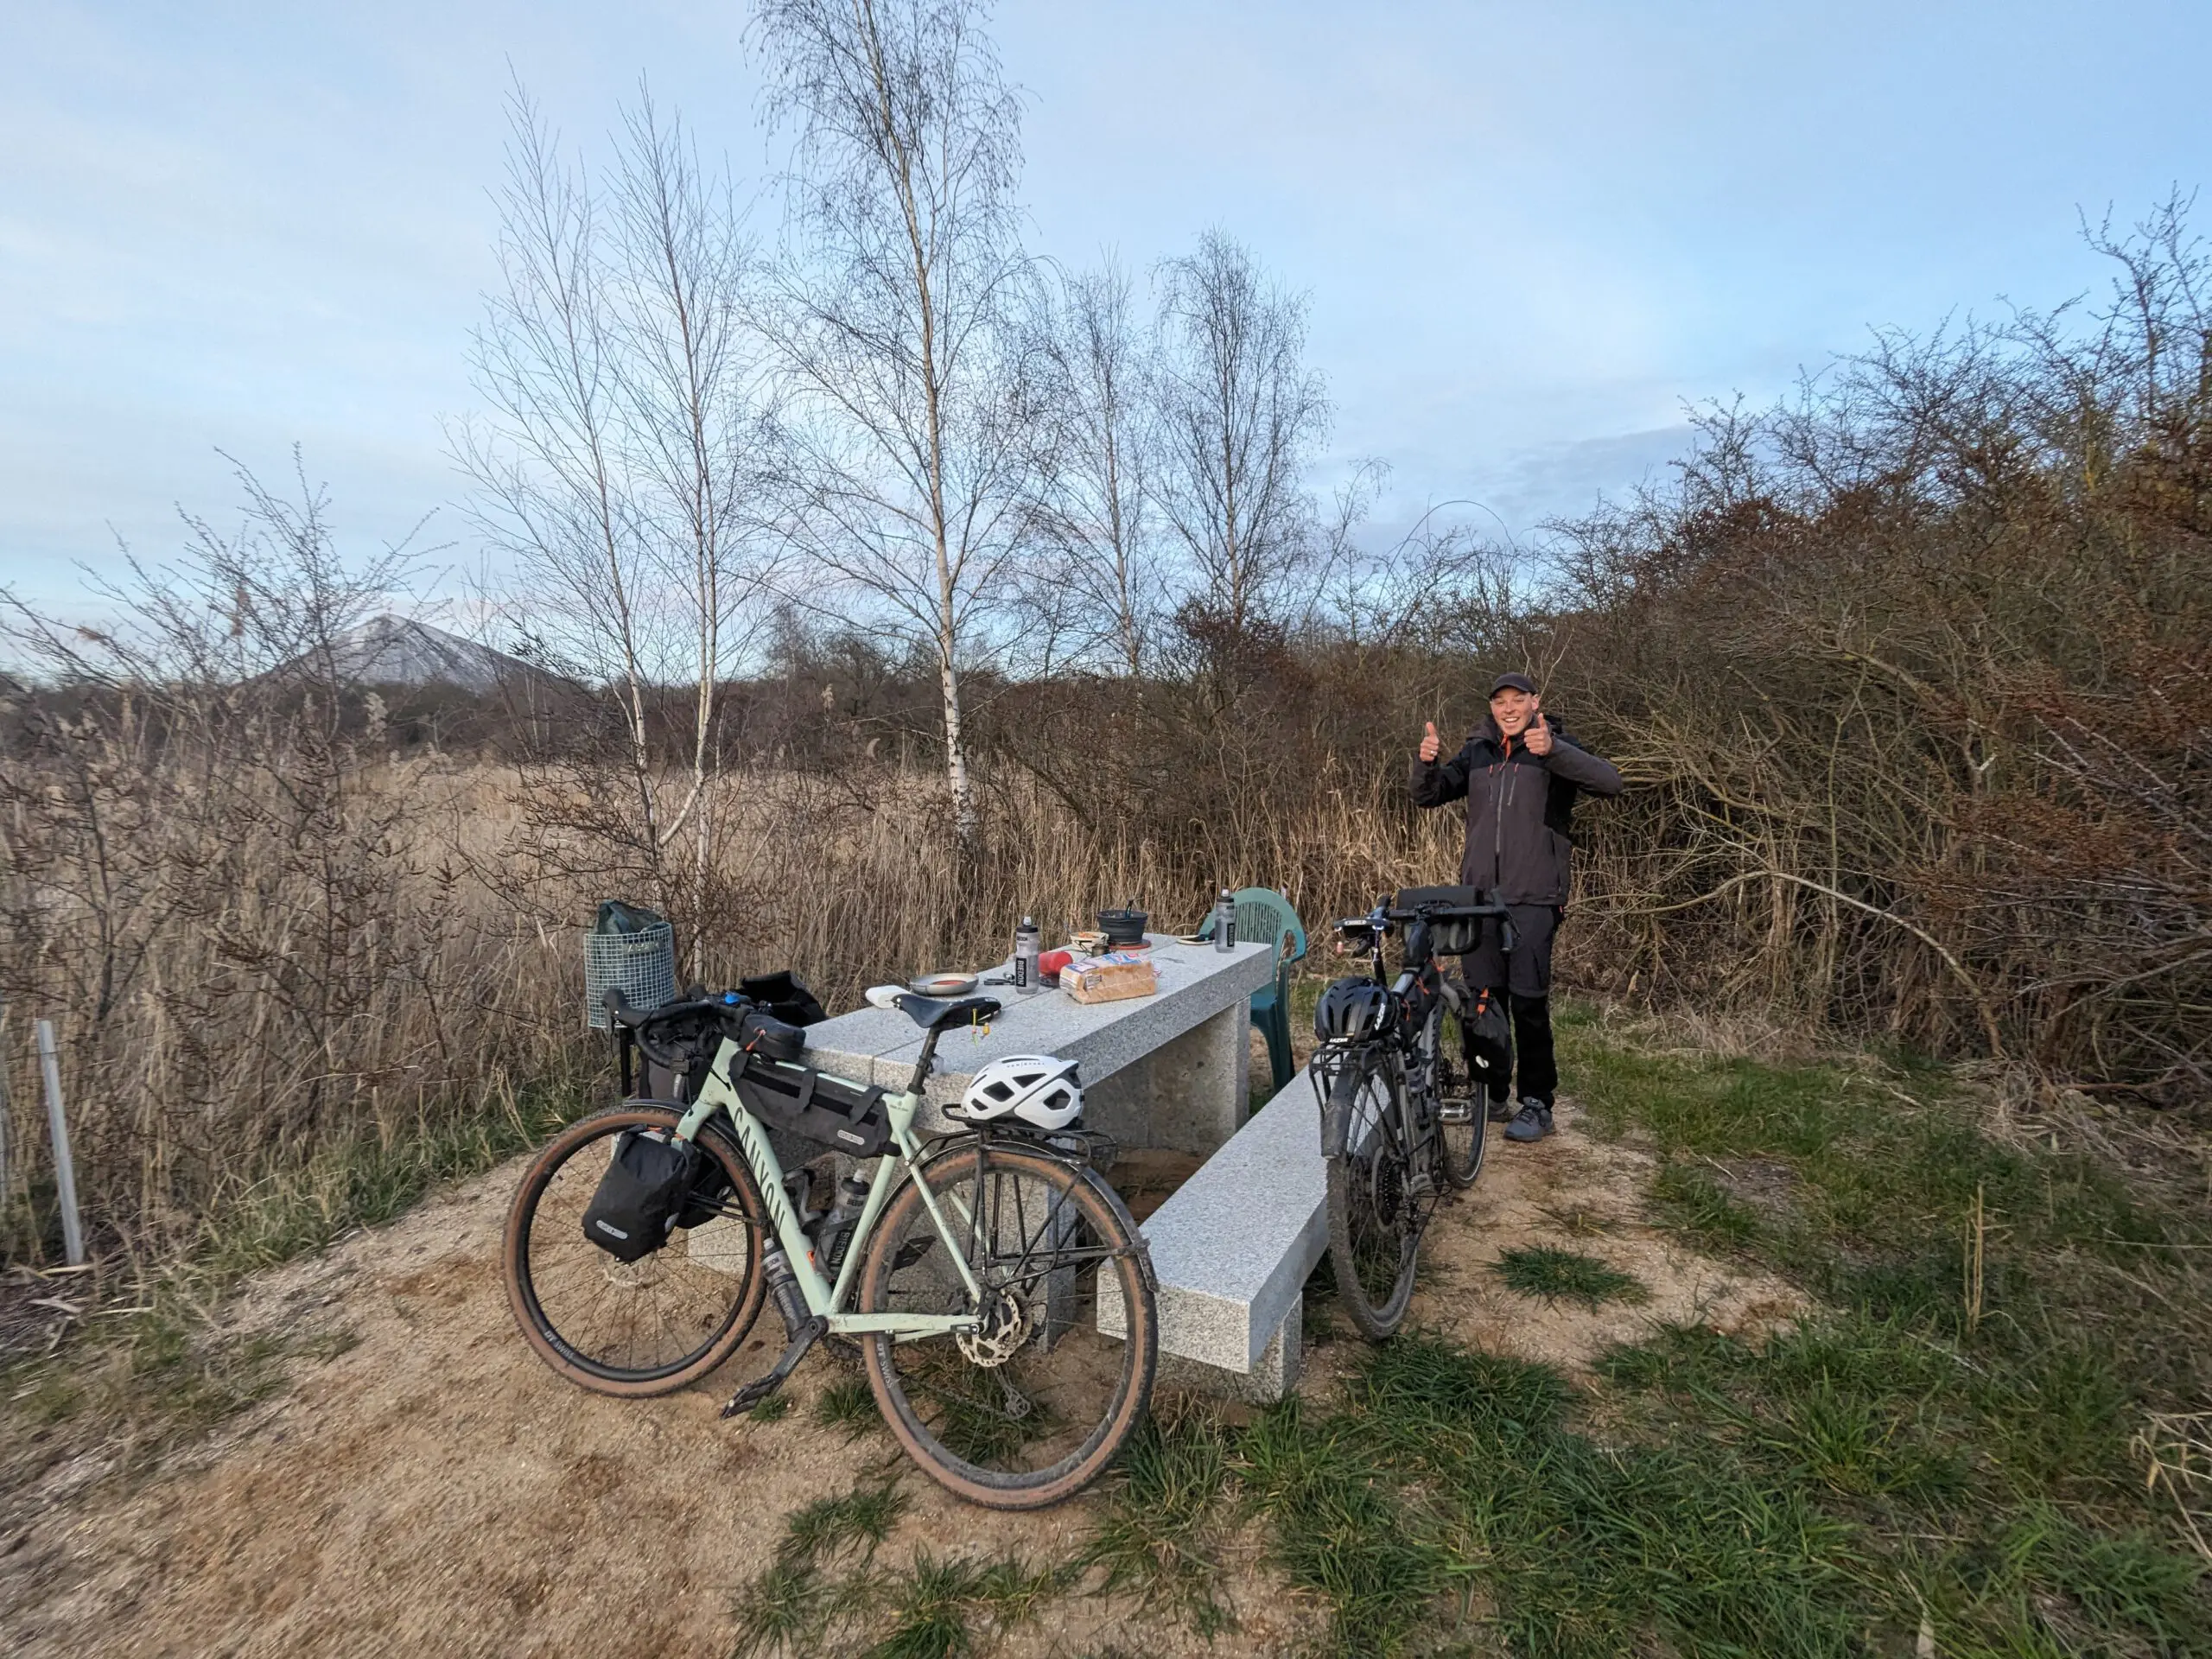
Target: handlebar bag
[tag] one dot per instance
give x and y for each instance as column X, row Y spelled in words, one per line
column 813, row 1105
column 1451, row 935
column 784, row 995
column 642, row 1195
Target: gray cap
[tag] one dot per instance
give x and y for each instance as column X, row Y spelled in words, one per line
column 1517, row 682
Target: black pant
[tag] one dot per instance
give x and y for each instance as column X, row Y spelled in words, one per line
column 1527, row 978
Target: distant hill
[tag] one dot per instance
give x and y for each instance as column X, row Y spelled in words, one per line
column 394, row 650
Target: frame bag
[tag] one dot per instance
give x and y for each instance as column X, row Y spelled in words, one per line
column 814, row 1105
column 641, row 1199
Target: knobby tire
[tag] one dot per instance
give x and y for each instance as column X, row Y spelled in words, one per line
column 1374, row 1222
column 929, row 1393
column 643, row 1328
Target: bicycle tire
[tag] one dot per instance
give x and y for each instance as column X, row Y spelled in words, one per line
column 903, row 1392
column 1375, row 1221
column 541, row 1250
column 1464, row 1144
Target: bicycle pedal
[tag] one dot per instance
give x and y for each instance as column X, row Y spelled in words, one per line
column 1455, row 1111
column 1420, row 1186
column 761, row 1387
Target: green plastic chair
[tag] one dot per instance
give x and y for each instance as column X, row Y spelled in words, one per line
column 1263, row 913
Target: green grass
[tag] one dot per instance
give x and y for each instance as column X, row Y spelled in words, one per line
column 936, row 1608
column 858, row 1521
column 1165, row 1518
column 951, row 1608
column 1552, row 1274
column 848, row 1404
column 1907, row 1453
column 299, row 1208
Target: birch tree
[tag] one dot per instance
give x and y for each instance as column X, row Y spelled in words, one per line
column 619, row 466
column 1241, row 416
column 893, row 316
column 1095, row 510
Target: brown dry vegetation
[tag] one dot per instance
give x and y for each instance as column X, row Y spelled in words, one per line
column 1909, row 678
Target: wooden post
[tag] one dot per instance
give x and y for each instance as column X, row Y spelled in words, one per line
column 65, row 1172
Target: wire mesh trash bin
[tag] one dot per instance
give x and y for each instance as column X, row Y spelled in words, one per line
column 631, row 950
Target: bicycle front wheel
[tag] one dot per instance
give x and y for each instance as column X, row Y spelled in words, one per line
column 643, row 1327
column 1030, row 1407
column 1375, row 1218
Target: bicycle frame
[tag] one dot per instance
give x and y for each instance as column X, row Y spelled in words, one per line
column 823, row 1299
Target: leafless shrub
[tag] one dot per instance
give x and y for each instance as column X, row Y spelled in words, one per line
column 222, row 898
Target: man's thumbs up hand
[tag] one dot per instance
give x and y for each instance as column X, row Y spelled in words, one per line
column 1539, row 736
column 1431, row 744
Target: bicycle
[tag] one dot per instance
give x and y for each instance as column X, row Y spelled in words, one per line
column 1400, row 1090
column 969, row 1277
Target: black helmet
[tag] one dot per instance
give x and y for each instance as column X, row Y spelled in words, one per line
column 1350, row 1007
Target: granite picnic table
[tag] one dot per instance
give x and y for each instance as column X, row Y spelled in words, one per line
column 1172, row 1069
column 1232, row 1247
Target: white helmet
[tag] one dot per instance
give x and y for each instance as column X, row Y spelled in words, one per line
column 1035, row 1088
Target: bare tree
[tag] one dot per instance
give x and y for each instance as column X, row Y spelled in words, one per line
column 622, row 466
column 1094, row 507
column 895, row 316
column 1242, row 414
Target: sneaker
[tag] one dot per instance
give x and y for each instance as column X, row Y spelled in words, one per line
column 1500, row 1110
column 1532, row 1123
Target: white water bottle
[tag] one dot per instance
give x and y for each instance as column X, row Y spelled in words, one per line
column 1024, row 955
column 1225, row 922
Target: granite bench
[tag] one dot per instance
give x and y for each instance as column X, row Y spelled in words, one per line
column 1231, row 1249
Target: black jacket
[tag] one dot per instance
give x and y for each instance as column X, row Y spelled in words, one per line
column 1519, row 808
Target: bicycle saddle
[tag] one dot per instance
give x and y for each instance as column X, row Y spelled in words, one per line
column 932, row 1014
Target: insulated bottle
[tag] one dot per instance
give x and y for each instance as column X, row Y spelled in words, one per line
column 1025, row 946
column 1225, row 922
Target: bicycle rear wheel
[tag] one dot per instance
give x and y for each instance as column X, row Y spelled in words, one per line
column 1375, row 1218
column 638, row 1328
column 1032, row 1408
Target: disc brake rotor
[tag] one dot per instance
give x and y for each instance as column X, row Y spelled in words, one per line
column 642, row 1274
column 998, row 1336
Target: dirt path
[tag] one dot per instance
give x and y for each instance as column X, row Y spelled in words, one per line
column 433, row 1489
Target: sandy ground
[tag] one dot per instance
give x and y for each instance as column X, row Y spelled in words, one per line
column 434, row 1490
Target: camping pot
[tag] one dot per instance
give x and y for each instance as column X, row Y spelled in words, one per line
column 1122, row 926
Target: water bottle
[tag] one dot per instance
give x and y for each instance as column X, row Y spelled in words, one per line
column 1225, row 922
column 1026, row 947
column 835, row 1229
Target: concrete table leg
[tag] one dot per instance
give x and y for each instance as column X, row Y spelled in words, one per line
column 1272, row 1376
column 1189, row 1095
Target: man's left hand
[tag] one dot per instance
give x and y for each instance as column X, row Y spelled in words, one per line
column 1539, row 736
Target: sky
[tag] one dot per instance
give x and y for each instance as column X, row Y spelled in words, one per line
column 1532, row 235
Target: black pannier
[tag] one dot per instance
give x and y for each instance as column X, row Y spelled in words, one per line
column 643, row 1193
column 813, row 1105
column 1450, row 937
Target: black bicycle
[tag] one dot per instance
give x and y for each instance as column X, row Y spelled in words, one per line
column 1402, row 1073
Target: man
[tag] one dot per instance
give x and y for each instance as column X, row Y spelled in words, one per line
column 1519, row 775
